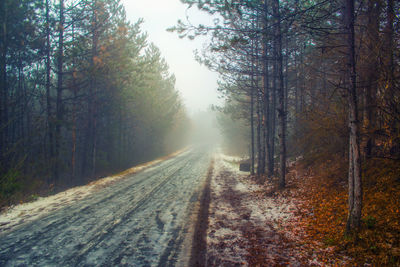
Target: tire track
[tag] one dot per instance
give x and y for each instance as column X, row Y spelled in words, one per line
column 176, row 231
column 107, row 221
column 103, row 230
column 199, row 245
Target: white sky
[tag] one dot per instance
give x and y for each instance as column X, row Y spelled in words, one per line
column 197, row 84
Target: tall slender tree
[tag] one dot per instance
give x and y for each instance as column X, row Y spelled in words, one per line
column 281, row 91
column 355, row 185
column 48, row 85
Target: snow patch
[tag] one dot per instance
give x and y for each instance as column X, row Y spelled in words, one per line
column 264, row 209
column 237, row 203
column 230, row 163
column 241, row 187
column 224, row 157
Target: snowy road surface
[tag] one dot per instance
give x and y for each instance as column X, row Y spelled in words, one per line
column 141, row 220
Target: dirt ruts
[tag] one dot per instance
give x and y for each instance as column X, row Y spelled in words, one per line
column 199, row 245
column 138, row 221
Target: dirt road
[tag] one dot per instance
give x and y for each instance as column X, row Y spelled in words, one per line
column 141, row 220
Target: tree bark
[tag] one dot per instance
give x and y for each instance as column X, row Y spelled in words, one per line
column 271, row 163
column 281, row 93
column 94, row 90
column 74, row 113
column 48, row 86
column 90, row 140
column 267, row 111
column 286, row 75
column 4, row 89
column 252, row 121
column 269, row 96
column 259, row 122
column 59, row 108
column 389, row 41
column 260, row 156
column 389, row 48
column 302, row 77
column 355, row 185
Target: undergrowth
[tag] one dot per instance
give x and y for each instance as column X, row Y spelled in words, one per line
column 323, row 188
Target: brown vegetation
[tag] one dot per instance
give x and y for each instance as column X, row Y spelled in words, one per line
column 322, row 210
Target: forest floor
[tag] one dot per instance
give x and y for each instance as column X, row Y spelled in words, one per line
column 253, row 224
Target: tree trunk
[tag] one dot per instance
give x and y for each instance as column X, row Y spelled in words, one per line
column 59, row 108
column 355, row 186
column 296, row 92
column 90, row 140
column 4, row 90
column 389, row 42
column 267, row 111
column 268, row 96
column 286, row 75
column 94, row 90
column 120, row 137
column 281, row 93
column 48, row 96
column 302, row 75
column 271, row 163
column 74, row 114
column 263, row 137
column 259, row 146
column 389, row 48
column 252, row 121
column 261, row 161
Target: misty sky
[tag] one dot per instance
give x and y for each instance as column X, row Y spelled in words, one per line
column 198, row 85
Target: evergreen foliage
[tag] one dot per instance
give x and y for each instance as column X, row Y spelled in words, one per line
column 320, row 76
column 83, row 94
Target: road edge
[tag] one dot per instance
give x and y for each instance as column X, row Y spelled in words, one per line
column 195, row 247
column 10, row 217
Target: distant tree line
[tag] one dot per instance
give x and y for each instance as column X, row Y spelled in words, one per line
column 312, row 78
column 82, row 93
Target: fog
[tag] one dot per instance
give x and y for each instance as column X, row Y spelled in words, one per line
column 204, row 129
column 197, row 85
